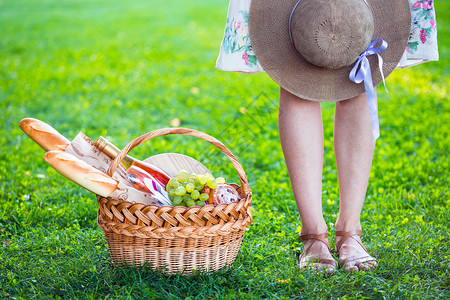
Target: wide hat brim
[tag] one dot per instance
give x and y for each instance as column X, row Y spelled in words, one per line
column 269, row 35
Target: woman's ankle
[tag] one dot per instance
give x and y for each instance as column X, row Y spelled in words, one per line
column 316, row 228
column 347, row 225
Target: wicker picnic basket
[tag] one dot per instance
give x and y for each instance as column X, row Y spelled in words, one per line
column 176, row 239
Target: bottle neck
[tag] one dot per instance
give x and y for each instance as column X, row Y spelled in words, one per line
column 112, row 151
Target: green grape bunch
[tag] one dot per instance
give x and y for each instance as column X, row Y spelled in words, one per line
column 186, row 189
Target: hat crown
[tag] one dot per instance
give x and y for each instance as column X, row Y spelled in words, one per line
column 332, row 33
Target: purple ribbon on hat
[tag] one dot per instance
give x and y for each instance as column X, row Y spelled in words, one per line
column 365, row 74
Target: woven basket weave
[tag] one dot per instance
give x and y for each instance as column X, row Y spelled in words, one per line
column 176, row 239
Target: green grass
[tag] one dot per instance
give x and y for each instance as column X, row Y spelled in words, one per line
column 123, row 68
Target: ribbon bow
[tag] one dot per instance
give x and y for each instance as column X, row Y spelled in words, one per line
column 364, row 74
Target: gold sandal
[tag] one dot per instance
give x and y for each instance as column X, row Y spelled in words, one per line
column 363, row 259
column 313, row 262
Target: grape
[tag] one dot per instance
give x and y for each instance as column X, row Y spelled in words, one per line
column 176, row 185
column 185, row 189
column 180, row 191
column 195, row 194
column 177, row 200
column 182, row 177
column 212, row 183
column 204, row 197
column 189, row 187
column 171, row 182
column 190, row 203
column 199, row 186
column 202, row 179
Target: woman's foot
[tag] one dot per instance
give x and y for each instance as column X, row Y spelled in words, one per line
column 353, row 256
column 316, row 253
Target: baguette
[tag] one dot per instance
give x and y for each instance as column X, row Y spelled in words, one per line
column 81, row 173
column 43, row 134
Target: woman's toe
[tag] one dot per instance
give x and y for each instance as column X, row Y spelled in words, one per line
column 366, row 266
column 329, row 268
column 352, row 268
column 324, row 267
column 373, row 265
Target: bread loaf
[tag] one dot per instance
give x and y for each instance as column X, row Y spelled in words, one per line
column 43, row 134
column 81, row 173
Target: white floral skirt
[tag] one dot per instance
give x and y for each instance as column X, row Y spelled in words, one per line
column 236, row 52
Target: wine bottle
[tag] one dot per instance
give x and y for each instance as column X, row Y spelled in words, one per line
column 112, row 151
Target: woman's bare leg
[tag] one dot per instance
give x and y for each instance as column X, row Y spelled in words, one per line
column 301, row 136
column 354, row 149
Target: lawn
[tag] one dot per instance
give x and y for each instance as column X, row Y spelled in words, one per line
column 123, row 68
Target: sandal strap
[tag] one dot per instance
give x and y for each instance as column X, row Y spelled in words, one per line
column 327, row 261
column 322, row 237
column 347, row 234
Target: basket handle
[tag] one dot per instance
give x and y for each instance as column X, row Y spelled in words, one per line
column 184, row 131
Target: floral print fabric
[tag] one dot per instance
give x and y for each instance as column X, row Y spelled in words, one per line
column 422, row 44
column 236, row 38
column 236, row 52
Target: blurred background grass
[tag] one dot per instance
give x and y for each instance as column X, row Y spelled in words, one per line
column 123, row 68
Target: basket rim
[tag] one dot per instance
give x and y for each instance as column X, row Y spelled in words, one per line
column 138, row 219
column 250, row 194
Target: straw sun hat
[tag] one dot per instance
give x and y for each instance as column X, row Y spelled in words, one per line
column 309, row 47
